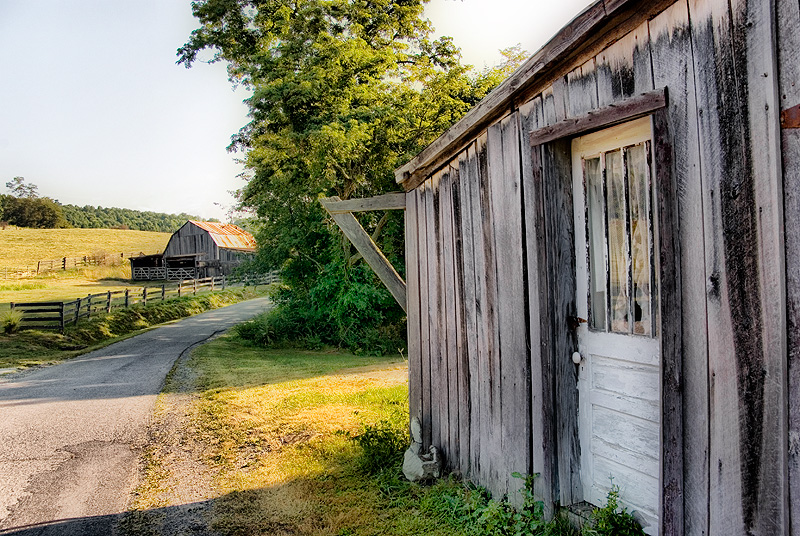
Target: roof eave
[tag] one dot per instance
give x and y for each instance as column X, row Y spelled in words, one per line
column 594, row 24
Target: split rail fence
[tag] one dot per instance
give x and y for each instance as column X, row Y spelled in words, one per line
column 59, row 315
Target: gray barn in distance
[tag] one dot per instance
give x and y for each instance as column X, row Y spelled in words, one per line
column 603, row 269
column 198, row 249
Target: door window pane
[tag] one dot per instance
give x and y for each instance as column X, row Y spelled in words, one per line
column 638, row 182
column 596, row 233
column 619, row 234
column 617, row 243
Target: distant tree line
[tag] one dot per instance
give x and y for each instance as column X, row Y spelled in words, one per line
column 124, row 218
column 24, row 208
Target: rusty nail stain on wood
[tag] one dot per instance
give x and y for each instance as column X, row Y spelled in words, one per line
column 790, row 117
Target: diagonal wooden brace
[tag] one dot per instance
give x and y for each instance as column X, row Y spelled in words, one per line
column 341, row 212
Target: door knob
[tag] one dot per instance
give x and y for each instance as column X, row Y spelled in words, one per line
column 576, row 358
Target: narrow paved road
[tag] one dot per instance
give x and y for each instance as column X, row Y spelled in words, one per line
column 70, row 434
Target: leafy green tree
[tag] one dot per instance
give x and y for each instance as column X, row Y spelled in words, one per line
column 343, row 92
column 36, row 212
column 19, row 188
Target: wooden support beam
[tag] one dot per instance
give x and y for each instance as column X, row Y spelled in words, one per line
column 392, row 201
column 354, row 232
column 605, row 117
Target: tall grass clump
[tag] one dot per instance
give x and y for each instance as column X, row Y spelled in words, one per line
column 382, row 446
column 10, row 321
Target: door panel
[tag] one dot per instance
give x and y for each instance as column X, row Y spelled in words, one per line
column 619, row 373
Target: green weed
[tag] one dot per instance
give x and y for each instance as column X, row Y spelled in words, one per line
column 613, row 519
column 472, row 509
column 382, row 445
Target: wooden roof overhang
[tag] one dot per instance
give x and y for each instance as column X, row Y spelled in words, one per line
column 599, row 25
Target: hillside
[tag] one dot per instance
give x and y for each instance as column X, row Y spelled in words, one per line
column 21, row 247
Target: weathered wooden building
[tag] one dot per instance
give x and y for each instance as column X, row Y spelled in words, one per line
column 198, row 249
column 602, row 269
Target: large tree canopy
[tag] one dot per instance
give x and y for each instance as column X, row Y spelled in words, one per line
column 343, row 92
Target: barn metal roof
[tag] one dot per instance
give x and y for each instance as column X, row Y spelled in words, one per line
column 227, row 235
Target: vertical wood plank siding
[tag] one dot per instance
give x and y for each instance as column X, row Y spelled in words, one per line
column 415, row 396
column 789, row 74
column 673, row 67
column 745, row 416
column 423, row 234
column 450, row 346
column 531, row 118
column 671, row 59
column 490, row 343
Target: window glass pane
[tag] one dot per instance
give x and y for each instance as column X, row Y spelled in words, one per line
column 619, row 300
column 640, row 238
column 596, row 231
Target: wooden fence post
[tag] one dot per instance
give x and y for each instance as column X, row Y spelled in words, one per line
column 163, row 292
column 224, row 282
column 212, row 283
column 194, row 286
column 64, row 263
column 77, row 310
column 144, row 295
column 108, row 303
column 127, row 294
column 89, row 306
column 61, row 317
column 180, row 285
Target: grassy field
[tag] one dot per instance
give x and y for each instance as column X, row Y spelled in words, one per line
column 20, row 247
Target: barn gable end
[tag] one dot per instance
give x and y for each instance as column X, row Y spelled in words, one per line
column 201, row 249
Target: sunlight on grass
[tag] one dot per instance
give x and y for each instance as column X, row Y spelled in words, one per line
column 278, row 425
column 22, row 247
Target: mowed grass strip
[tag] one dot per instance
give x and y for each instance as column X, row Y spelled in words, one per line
column 276, row 427
column 22, row 247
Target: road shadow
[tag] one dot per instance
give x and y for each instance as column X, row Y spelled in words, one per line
column 84, row 526
column 178, row 520
column 237, row 512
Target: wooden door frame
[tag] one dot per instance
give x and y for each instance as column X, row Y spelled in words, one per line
column 551, row 157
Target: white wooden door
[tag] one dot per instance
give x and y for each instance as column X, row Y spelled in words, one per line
column 619, row 370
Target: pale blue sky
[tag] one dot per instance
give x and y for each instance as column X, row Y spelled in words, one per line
column 94, row 110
